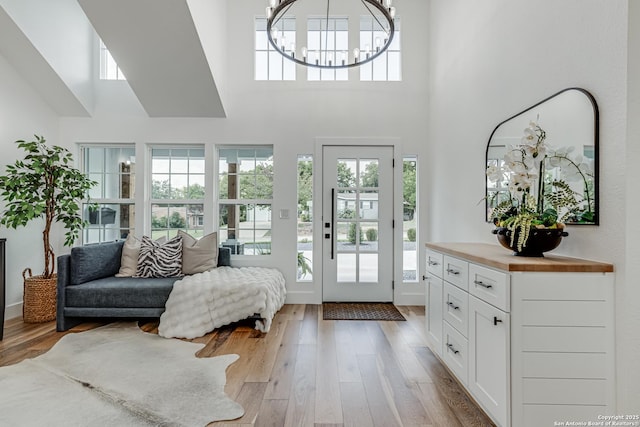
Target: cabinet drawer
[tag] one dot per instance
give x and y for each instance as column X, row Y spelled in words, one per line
column 490, row 286
column 455, row 308
column 455, row 352
column 456, row 271
column 434, row 263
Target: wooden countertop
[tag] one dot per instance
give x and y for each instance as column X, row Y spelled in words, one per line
column 501, row 258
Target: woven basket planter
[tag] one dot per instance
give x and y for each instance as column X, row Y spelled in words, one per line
column 39, row 298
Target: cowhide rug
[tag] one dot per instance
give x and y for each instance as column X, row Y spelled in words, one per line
column 117, row 375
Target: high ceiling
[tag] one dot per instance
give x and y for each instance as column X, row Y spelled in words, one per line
column 156, row 43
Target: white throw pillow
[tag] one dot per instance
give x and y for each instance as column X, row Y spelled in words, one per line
column 130, row 253
column 199, row 255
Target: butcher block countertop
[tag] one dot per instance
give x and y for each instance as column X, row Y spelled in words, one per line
column 498, row 257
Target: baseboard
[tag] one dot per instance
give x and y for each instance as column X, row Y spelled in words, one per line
column 12, row 311
column 302, row 297
column 410, row 299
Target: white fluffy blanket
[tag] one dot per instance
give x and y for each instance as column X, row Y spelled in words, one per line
column 202, row 302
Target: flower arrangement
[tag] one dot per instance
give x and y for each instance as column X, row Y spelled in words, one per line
column 541, row 185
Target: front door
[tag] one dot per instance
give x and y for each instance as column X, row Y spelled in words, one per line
column 357, row 223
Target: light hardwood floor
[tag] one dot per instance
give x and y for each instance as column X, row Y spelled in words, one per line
column 312, row 372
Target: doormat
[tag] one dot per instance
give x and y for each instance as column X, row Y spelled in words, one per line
column 360, row 311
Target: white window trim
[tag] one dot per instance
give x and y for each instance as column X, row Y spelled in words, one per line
column 106, row 201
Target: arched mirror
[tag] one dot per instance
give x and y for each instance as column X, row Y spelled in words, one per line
column 570, row 120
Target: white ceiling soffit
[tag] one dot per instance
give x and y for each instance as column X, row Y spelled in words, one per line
column 16, row 47
column 157, row 47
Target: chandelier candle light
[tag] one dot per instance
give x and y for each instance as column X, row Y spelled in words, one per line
column 326, row 58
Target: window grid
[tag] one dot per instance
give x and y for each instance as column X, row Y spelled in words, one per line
column 387, row 67
column 269, row 64
column 245, row 194
column 111, row 212
column 177, row 191
column 328, row 42
column 109, row 69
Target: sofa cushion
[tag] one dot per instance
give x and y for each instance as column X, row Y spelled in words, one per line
column 95, row 261
column 121, row 292
column 130, row 254
column 198, row 255
column 160, row 259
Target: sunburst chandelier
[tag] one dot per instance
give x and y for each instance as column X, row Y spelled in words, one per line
column 327, row 56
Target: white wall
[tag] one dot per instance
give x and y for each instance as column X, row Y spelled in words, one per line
column 22, row 114
column 64, row 37
column 628, row 293
column 492, row 59
column 289, row 115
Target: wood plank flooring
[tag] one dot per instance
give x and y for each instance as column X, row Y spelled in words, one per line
column 312, row 372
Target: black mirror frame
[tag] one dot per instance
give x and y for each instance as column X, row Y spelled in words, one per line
column 596, row 149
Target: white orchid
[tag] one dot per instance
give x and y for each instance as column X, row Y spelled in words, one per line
column 533, row 141
column 527, row 168
column 495, row 173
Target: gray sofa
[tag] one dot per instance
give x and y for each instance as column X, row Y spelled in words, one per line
column 88, row 288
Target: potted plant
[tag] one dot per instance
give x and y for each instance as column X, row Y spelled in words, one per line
column 304, row 265
column 541, row 198
column 44, row 185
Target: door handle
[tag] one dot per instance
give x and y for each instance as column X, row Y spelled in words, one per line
column 333, row 221
column 496, row 321
column 484, row 285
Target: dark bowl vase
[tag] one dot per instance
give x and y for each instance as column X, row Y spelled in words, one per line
column 540, row 240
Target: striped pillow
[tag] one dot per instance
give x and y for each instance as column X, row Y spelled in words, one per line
column 158, row 259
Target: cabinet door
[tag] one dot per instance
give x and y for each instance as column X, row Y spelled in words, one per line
column 489, row 361
column 434, row 313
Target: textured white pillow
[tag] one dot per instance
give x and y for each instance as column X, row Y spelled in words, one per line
column 199, row 255
column 130, row 253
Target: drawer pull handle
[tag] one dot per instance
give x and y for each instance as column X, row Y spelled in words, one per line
column 496, row 321
column 455, row 307
column 450, row 347
column 433, row 263
column 451, row 271
column 484, row 285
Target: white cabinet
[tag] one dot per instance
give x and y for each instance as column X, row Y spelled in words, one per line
column 455, row 308
column 531, row 339
column 489, row 351
column 455, row 352
column 434, row 293
column 434, row 314
column 456, row 272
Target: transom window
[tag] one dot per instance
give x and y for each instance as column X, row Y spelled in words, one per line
column 245, row 195
column 111, row 215
column 386, row 67
column 328, row 43
column 269, row 64
column 177, row 191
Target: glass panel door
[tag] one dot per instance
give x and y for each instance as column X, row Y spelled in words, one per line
column 357, row 223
